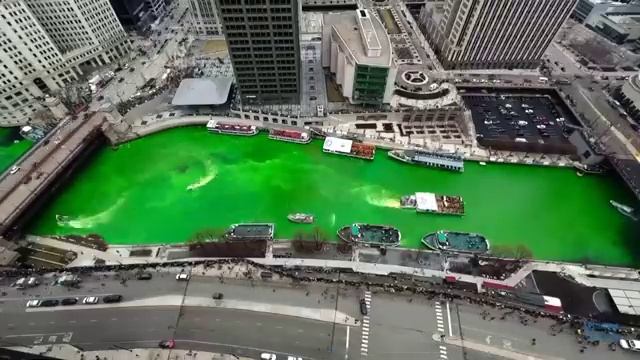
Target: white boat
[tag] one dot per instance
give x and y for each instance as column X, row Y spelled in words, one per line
column 301, row 218
column 482, row 163
column 624, row 209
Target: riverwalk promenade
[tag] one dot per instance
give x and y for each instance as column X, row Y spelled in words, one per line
column 155, row 123
column 588, row 275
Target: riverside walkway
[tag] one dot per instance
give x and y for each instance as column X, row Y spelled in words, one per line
column 42, row 164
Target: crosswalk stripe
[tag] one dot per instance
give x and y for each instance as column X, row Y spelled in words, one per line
column 443, row 347
column 443, row 351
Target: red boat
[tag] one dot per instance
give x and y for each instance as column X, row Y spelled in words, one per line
column 231, row 128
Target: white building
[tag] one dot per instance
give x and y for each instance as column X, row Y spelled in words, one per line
column 492, row 34
column 45, row 43
column 357, row 50
column 204, row 15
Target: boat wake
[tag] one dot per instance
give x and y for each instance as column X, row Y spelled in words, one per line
column 378, row 196
column 210, row 173
column 87, row 222
column 333, row 219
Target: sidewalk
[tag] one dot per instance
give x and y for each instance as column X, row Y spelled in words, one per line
column 68, row 352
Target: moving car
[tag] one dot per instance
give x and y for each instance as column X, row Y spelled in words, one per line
column 90, row 300
column 363, row 307
column 33, row 303
column 69, row 301
column 14, row 169
column 50, row 302
column 267, row 356
column 631, row 345
column 218, row 296
column 144, row 276
column 183, row 277
column 111, row 299
column 167, row 344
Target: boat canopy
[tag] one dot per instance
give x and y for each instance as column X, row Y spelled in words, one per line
column 355, row 230
column 211, row 124
column 426, row 201
column 334, row 144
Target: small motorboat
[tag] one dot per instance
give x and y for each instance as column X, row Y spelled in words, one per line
column 482, row 163
column 300, row 218
column 625, row 210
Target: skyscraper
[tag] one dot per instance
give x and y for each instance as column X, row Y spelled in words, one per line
column 492, row 34
column 263, row 41
column 44, row 44
column 205, row 17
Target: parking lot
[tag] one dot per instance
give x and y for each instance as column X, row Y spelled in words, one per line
column 519, row 122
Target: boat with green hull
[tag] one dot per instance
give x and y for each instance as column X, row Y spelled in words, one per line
column 370, row 235
column 456, row 242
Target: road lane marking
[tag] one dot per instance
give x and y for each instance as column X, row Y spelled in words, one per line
column 72, row 321
column 38, row 340
column 449, row 320
column 31, row 324
column 440, row 327
column 93, row 320
column 346, row 352
column 114, row 319
column 51, row 322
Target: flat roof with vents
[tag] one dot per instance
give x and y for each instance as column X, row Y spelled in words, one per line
column 362, row 35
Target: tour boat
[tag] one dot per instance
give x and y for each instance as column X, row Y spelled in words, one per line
column 456, row 242
column 301, row 218
column 370, row 235
column 348, row 147
column 250, row 231
column 445, row 161
column 425, row 202
column 231, row 128
column 295, row 136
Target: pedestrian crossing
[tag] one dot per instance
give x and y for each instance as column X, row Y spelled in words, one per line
column 440, row 327
column 364, row 343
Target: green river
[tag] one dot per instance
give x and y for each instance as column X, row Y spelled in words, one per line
column 165, row 187
column 12, row 146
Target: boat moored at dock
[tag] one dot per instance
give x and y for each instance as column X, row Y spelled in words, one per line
column 370, row 235
column 625, row 210
column 426, row 202
column 446, row 161
column 231, row 128
column 295, row 136
column 250, row 231
column 347, row 147
column 301, row 218
column 456, row 242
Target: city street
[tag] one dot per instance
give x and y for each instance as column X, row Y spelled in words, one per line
column 314, row 321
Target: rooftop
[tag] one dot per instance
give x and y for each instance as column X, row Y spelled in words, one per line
column 361, row 35
column 203, row 91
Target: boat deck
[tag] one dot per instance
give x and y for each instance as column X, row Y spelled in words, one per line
column 251, row 231
column 372, row 235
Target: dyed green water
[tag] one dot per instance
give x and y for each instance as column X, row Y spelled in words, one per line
column 163, row 188
column 12, row 146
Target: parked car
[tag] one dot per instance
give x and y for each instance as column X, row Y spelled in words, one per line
column 14, row 169
column 33, row 303
column 631, row 345
column 50, row 302
column 217, row 296
column 183, row 277
column 167, row 344
column 111, row 299
column 293, row 357
column 69, row 301
column 144, row 276
column 267, row 356
column 90, row 300
column 26, row 282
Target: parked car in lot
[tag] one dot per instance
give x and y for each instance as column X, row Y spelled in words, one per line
column 90, row 300
column 144, row 276
column 69, row 301
column 33, row 303
column 183, row 277
column 50, row 302
column 631, row 345
column 109, row 299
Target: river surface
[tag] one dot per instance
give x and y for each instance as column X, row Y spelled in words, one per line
column 165, row 187
column 12, row 146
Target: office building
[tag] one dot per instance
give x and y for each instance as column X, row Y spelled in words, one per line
column 133, row 14
column 492, row 34
column 46, row 43
column 586, row 10
column 264, row 46
column 204, row 15
column 357, row 50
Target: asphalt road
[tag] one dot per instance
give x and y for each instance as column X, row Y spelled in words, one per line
column 397, row 326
